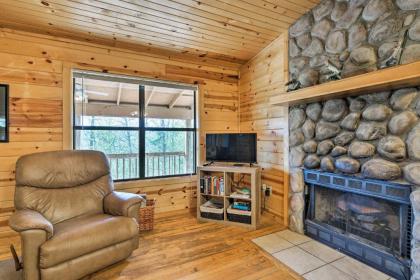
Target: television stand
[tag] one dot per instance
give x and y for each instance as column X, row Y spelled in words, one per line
column 238, row 164
column 223, row 184
column 208, row 163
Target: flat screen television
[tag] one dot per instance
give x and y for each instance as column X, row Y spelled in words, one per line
column 232, row 147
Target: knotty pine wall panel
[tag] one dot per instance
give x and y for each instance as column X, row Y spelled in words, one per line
column 261, row 78
column 38, row 71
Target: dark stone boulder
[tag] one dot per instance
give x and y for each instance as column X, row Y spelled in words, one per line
column 412, row 173
column 336, row 42
column 347, row 165
column 339, row 10
column 323, row 9
column 311, row 162
column 316, row 47
column 361, row 149
column 349, row 17
column 368, row 131
column 376, row 112
column 297, row 64
column 357, row 35
column 364, row 55
column 379, row 97
column 402, row 122
column 411, row 54
column 381, row 169
column 296, row 138
column 376, row 9
column 414, row 31
column 408, row 4
column 351, row 121
column 350, row 68
column 318, row 61
column 334, row 110
column 302, row 25
column 308, row 77
column 327, row 164
column 308, row 129
column 338, row 151
column 297, row 118
column 313, row 111
column 324, row 147
column 325, row 130
column 310, row 146
column 297, row 155
column 392, row 148
column 321, row 29
column 413, row 143
column 294, row 50
column 357, row 104
column 344, row 138
column 304, row 40
column 401, row 99
column 385, row 29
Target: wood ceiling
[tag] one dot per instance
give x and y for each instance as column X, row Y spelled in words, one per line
column 232, row 30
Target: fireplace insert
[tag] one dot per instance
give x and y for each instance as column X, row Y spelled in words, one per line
column 369, row 220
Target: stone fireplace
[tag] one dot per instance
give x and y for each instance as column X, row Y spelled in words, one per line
column 367, row 219
column 375, row 136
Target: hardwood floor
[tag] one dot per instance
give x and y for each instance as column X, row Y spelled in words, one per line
column 181, row 248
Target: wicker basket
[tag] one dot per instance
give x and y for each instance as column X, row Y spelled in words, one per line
column 146, row 215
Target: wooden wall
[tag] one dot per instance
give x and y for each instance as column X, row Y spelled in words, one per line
column 260, row 78
column 38, row 70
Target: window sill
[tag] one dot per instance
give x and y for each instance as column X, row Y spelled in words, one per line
column 165, row 179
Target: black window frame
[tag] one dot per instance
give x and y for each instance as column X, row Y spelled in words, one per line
column 142, row 133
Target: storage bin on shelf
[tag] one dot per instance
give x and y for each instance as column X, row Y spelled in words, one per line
column 211, row 212
column 239, row 216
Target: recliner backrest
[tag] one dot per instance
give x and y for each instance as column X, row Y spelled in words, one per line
column 64, row 184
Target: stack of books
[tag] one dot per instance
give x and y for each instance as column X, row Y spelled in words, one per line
column 212, row 185
column 241, row 193
column 242, row 205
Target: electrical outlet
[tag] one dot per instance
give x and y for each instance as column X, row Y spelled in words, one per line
column 268, row 191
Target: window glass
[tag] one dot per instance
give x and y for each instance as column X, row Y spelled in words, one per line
column 105, row 103
column 169, row 107
column 121, row 147
column 146, row 131
column 169, row 153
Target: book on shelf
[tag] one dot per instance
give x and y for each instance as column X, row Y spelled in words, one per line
column 240, row 195
column 213, row 185
column 241, row 205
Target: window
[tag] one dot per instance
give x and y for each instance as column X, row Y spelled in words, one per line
column 147, row 129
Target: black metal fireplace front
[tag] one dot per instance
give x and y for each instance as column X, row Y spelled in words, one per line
column 369, row 220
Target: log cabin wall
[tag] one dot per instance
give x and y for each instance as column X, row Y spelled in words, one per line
column 38, row 70
column 261, row 78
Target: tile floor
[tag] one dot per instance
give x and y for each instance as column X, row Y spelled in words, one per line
column 314, row 260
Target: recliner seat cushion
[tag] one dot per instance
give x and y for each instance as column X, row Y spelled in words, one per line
column 76, row 237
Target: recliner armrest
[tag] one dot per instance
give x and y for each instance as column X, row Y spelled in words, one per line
column 123, row 204
column 23, row 220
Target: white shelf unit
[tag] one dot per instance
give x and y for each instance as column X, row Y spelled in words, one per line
column 229, row 173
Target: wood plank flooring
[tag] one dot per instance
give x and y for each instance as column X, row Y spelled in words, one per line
column 181, row 248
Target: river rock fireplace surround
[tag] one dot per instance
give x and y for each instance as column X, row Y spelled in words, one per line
column 372, row 139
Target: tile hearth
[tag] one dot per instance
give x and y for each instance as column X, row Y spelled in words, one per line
column 314, row 260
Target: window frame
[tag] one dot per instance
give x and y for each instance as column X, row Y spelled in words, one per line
column 142, row 129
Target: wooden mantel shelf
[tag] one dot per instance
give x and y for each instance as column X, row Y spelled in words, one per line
column 386, row 79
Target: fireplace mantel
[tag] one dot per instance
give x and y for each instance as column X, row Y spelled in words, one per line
column 386, row 79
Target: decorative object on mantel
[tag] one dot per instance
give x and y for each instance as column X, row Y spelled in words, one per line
column 355, row 36
column 293, row 85
column 381, row 80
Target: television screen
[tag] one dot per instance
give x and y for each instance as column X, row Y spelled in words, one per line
column 232, row 147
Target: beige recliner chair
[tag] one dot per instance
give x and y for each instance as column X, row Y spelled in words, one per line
column 71, row 221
